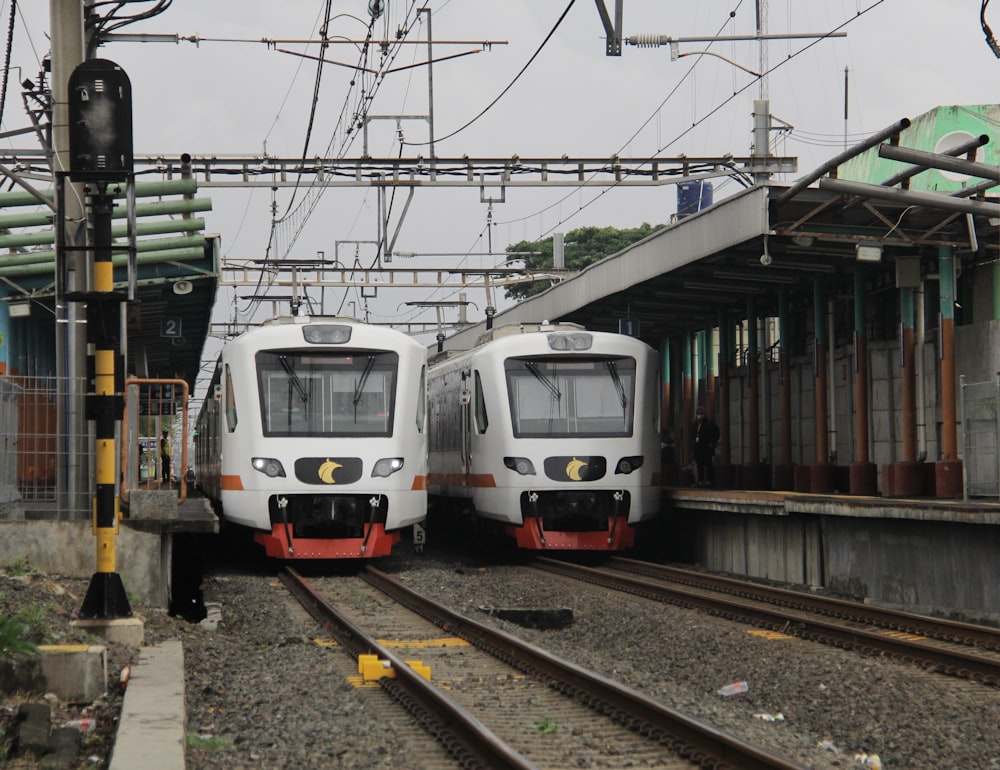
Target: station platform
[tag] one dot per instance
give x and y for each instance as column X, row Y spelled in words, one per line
column 144, row 546
column 927, row 555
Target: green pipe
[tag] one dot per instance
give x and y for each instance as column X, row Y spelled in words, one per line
column 996, row 291
column 153, row 244
column 142, row 190
column 783, row 343
column 119, row 260
column 182, row 206
column 859, row 300
column 40, row 238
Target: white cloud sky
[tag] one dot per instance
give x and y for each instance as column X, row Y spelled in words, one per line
column 904, row 58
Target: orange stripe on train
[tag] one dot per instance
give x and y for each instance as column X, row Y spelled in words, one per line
column 458, row 479
column 232, row 483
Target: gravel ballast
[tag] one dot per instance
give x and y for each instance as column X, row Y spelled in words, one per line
column 260, row 693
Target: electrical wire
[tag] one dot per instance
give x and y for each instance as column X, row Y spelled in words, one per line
column 102, row 26
column 990, row 40
column 626, row 173
column 6, row 58
column 509, row 85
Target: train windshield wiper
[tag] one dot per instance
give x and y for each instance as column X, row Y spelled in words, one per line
column 369, row 365
column 293, row 378
column 613, row 371
column 550, row 386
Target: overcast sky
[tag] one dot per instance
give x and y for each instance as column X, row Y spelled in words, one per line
column 904, row 57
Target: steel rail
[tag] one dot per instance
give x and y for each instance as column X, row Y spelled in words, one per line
column 471, row 742
column 683, row 734
column 981, row 637
column 952, row 662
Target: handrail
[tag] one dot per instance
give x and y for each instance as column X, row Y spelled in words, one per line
column 153, row 408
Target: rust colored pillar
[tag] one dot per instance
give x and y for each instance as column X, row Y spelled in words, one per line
column 753, row 388
column 665, row 421
column 821, row 475
column 906, row 479
column 756, row 475
column 724, row 475
column 725, row 357
column 708, row 338
column 862, row 474
column 784, row 471
column 948, row 470
column 687, row 412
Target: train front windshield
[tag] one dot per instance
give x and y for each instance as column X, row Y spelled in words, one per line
column 327, row 394
column 567, row 397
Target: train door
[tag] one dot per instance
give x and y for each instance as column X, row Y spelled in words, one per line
column 465, row 410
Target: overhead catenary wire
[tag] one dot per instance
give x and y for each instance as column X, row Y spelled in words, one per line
column 510, row 85
column 604, row 191
column 626, row 172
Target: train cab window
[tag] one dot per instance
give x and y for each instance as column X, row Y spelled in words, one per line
column 230, row 402
column 571, row 396
column 342, row 393
column 482, row 421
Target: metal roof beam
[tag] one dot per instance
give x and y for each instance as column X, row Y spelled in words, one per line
column 911, row 197
column 886, row 133
column 943, row 162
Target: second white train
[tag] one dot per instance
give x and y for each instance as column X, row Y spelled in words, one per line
column 550, row 431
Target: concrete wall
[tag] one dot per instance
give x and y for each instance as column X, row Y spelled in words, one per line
column 70, row 548
column 922, row 566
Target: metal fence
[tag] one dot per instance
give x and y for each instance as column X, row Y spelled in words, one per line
column 48, row 472
column 980, row 405
column 43, row 468
column 10, row 398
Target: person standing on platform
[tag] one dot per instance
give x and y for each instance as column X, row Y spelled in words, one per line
column 165, row 456
column 704, row 437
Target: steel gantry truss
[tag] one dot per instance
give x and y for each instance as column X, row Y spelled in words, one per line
column 515, row 171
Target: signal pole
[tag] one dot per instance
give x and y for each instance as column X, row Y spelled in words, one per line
column 100, row 140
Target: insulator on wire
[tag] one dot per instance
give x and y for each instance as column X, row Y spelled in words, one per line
column 648, row 40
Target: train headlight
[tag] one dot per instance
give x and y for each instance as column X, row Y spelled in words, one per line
column 268, row 466
column 628, row 464
column 570, row 341
column 326, row 334
column 387, row 466
column 522, row 465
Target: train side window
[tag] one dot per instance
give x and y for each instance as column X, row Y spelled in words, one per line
column 230, row 402
column 421, row 399
column 482, row 421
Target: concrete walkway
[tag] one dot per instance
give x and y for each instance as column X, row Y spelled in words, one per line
column 151, row 733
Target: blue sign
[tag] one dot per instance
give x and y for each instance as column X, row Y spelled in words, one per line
column 170, row 327
column 628, row 327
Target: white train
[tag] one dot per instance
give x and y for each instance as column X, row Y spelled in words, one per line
column 551, row 431
column 314, row 434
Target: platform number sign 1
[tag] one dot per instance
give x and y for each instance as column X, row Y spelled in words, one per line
column 628, row 326
column 170, row 327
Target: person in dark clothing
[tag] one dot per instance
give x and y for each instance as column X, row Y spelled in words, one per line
column 704, row 437
column 165, row 456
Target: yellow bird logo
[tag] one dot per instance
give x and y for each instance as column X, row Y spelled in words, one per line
column 573, row 468
column 326, row 471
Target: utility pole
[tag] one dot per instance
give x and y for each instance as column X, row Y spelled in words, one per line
column 72, row 473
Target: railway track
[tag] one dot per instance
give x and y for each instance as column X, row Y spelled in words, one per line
column 956, row 649
column 482, row 676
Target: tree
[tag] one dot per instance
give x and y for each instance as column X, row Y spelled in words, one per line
column 582, row 247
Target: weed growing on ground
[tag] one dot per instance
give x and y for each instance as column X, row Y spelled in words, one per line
column 208, row 742
column 14, row 642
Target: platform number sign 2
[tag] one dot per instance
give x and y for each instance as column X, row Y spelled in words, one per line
column 170, row 327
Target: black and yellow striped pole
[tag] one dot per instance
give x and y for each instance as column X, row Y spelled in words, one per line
column 100, row 103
